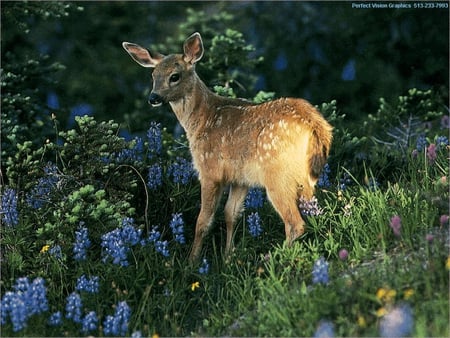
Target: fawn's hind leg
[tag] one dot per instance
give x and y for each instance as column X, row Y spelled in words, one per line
column 233, row 209
column 287, row 208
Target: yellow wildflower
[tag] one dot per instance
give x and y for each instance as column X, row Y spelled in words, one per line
column 390, row 296
column 408, row 293
column 45, row 248
column 381, row 293
column 381, row 312
column 195, row 285
column 386, row 295
column 155, row 335
column 361, row 321
column 447, row 263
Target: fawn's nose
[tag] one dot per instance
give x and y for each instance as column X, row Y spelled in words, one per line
column 155, row 100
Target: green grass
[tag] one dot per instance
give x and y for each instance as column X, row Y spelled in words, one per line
column 263, row 288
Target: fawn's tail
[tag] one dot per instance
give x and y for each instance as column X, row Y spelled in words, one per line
column 319, row 147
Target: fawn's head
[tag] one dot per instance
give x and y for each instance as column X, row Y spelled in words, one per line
column 172, row 74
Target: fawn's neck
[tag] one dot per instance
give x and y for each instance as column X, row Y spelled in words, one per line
column 194, row 108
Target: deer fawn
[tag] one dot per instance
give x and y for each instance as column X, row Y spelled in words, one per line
column 280, row 145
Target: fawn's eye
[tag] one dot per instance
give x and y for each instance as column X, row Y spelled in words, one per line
column 174, row 78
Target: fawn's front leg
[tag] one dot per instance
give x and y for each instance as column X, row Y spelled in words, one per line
column 233, row 209
column 211, row 193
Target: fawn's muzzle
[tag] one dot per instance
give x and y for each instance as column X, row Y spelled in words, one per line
column 155, row 100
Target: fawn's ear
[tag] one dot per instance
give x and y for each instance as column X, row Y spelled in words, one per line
column 142, row 55
column 193, row 48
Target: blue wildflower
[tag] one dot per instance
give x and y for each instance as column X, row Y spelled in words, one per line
column 130, row 235
column 399, row 322
column 36, row 297
column 27, row 300
column 325, row 329
column 41, row 193
column 345, row 181
column 320, row 271
column 177, row 226
column 204, row 268
column 254, row 198
column 82, row 243
column 116, row 244
column 117, row 325
column 55, row 319
column 22, row 284
column 181, row 171
column 133, row 154
column 254, row 224
column 13, row 305
column 442, row 142
column 310, row 208
column 421, row 143
column 90, row 285
column 324, row 180
column 89, row 322
column 154, row 178
column 154, row 137
column 162, row 247
column 56, row 251
column 154, row 235
column 9, row 212
column 136, row 334
column 73, row 307
column 114, row 247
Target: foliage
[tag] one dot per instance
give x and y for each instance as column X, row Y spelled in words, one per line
column 325, row 51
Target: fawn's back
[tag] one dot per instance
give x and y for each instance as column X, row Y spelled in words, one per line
column 280, row 145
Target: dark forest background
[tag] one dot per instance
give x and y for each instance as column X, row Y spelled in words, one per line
column 320, row 51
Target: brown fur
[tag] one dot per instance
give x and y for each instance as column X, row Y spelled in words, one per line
column 280, row 145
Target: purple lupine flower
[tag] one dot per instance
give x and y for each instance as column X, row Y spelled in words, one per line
column 55, row 319
column 343, row 254
column 154, row 178
column 154, row 137
column 181, row 171
column 310, row 208
column 56, row 251
column 41, row 193
column 116, row 244
column 133, row 154
column 177, row 226
column 162, row 247
column 421, row 143
column 254, row 224
column 89, row 322
column 117, row 325
column 324, row 181
column 254, row 198
column 431, row 153
column 27, row 299
column 204, row 268
column 73, row 307
column 82, row 243
column 396, row 225
column 320, row 271
column 90, row 285
column 8, row 211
